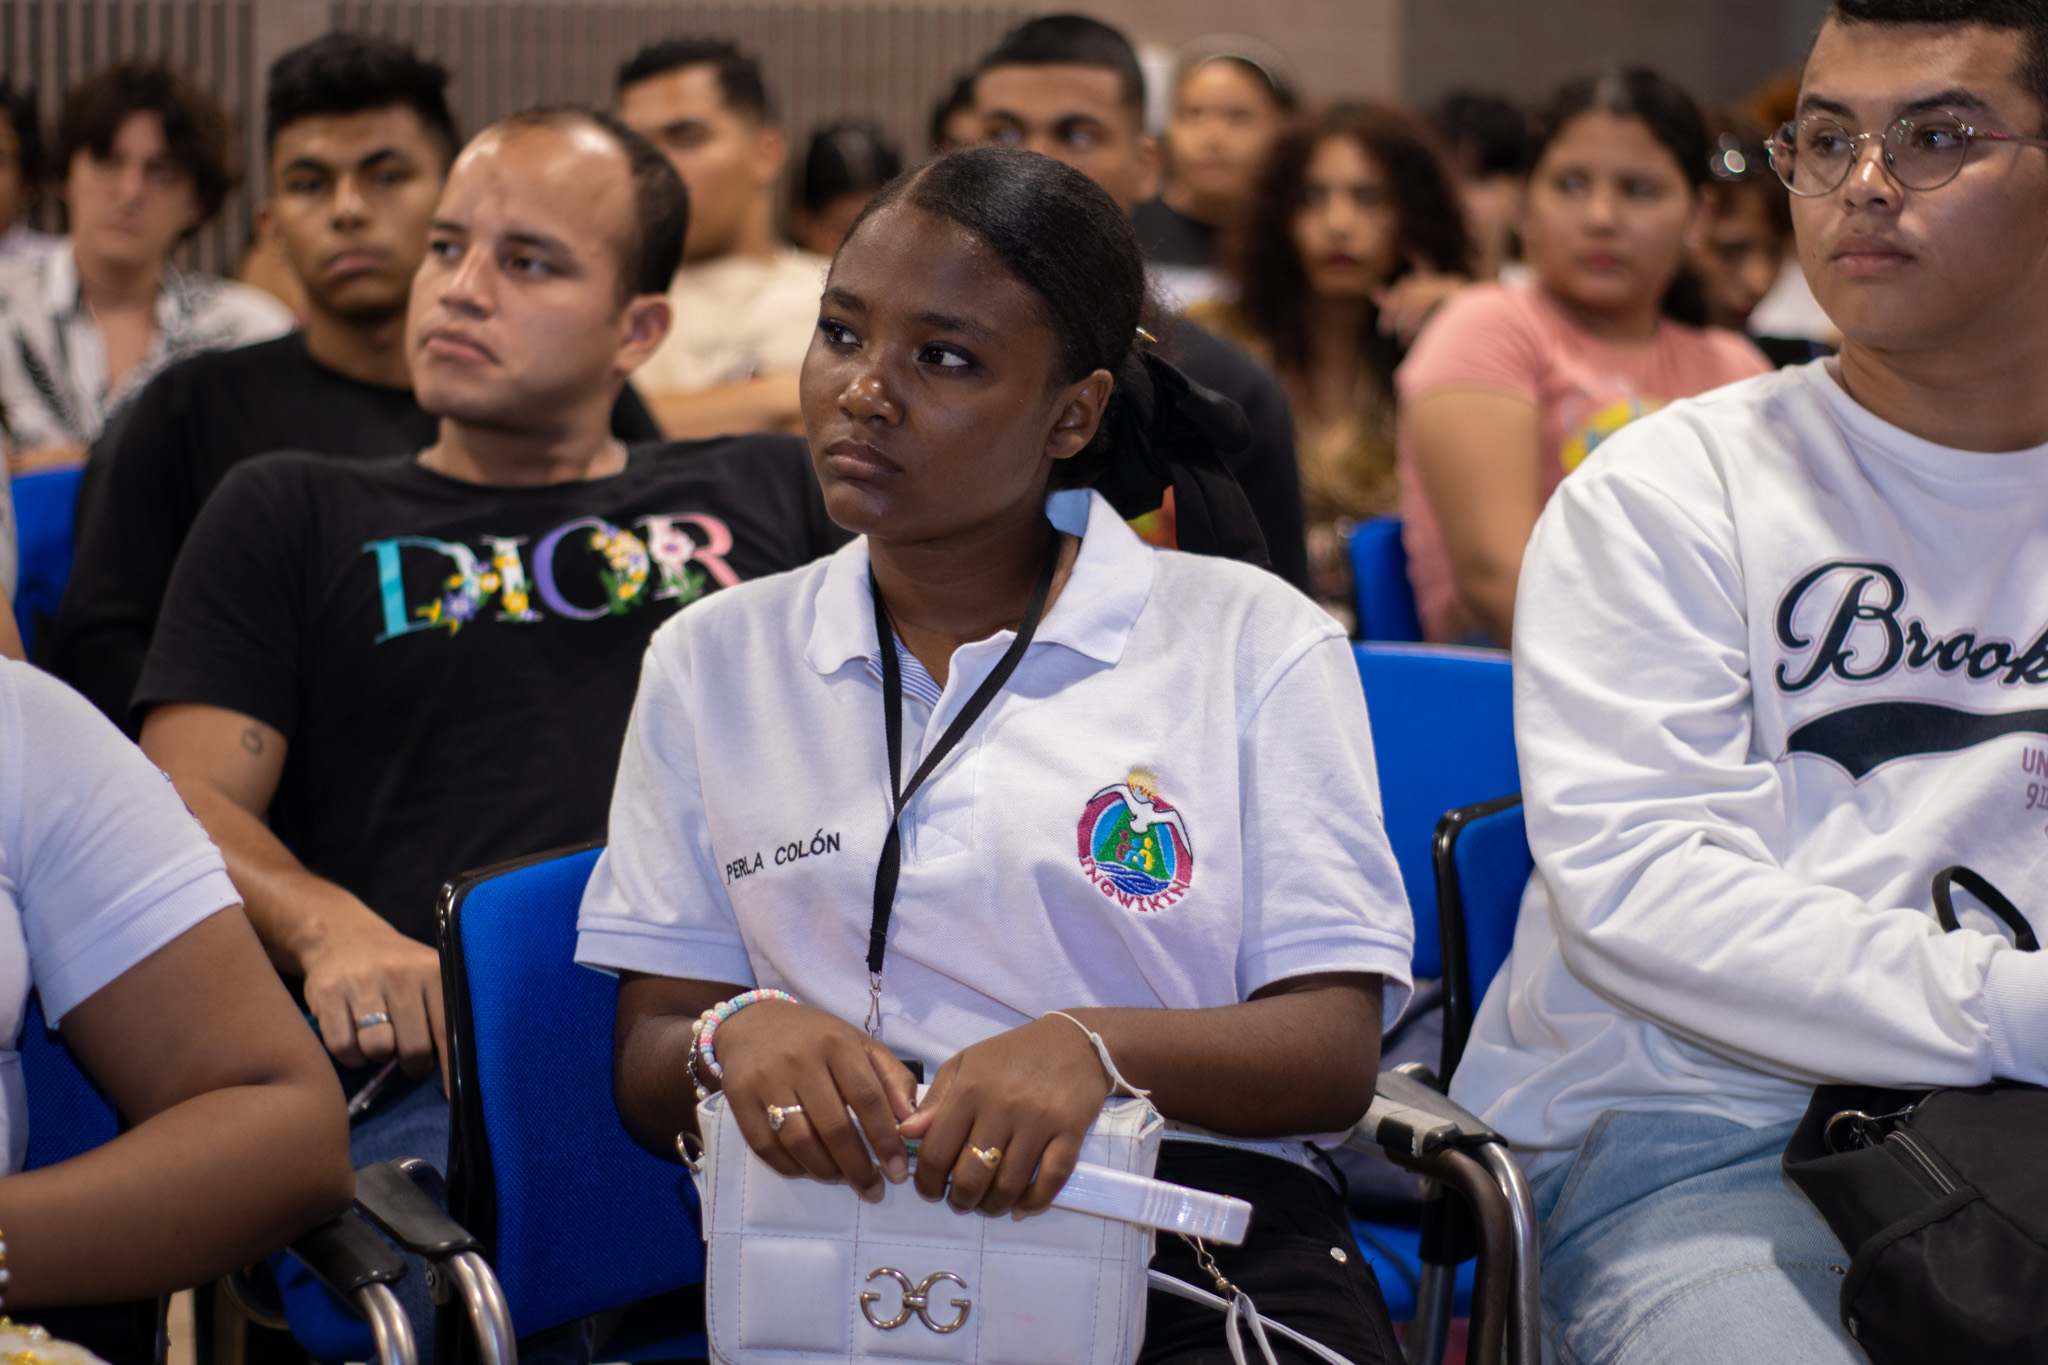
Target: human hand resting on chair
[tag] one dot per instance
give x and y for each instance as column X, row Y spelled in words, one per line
column 777, row 1052
column 1005, row 1118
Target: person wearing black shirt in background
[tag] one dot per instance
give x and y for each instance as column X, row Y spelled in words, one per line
column 360, row 138
column 425, row 664
column 1071, row 88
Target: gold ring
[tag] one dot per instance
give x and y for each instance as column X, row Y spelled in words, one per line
column 990, row 1157
column 779, row 1113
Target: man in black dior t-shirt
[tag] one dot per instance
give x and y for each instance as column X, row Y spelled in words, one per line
column 423, row 665
column 359, row 137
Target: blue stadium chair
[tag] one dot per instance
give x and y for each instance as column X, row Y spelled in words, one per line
column 1443, row 737
column 1443, row 732
column 1379, row 582
column 45, row 516
column 576, row 1217
column 67, row 1117
column 1482, row 864
column 347, row 1310
column 67, row 1114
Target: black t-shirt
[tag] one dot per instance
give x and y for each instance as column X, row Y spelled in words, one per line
column 1265, row 469
column 453, row 665
column 173, row 445
column 1170, row 237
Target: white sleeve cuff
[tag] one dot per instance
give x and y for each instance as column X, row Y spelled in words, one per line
column 108, row 946
column 2016, row 1004
column 622, row 945
column 1361, row 953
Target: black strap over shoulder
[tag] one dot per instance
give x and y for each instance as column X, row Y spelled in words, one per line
column 1993, row 899
column 890, row 867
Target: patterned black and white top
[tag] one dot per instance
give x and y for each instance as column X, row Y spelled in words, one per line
column 53, row 363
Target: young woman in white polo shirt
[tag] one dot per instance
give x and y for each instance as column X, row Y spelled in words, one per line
column 1161, row 818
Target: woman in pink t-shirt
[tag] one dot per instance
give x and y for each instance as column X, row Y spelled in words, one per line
column 1511, row 386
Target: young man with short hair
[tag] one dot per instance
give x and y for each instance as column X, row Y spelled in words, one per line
column 360, row 137
column 372, row 675
column 1779, row 656
column 1070, row 87
column 745, row 304
column 144, row 153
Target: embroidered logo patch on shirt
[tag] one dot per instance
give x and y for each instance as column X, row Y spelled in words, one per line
column 1134, row 846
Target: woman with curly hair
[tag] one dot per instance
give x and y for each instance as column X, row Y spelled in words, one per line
column 1354, row 238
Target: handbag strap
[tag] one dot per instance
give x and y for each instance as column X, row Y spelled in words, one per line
column 1994, row 900
column 890, row 865
column 1240, row 1308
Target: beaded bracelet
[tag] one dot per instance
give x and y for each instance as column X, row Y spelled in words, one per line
column 4, row 1276
column 707, row 1025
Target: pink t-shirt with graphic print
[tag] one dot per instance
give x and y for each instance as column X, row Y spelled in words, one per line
column 1513, row 339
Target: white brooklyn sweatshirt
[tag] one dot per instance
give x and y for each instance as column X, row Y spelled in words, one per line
column 1777, row 662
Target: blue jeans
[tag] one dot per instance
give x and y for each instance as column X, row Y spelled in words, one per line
column 1674, row 1239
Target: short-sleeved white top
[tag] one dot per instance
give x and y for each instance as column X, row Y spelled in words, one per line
column 1172, row 802
column 100, row 864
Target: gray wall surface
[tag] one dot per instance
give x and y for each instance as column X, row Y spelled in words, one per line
column 1720, row 49
column 889, row 59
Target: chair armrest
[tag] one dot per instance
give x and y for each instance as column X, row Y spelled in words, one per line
column 404, row 1198
column 346, row 1254
column 389, row 1194
column 349, row 1256
column 1421, row 1130
column 1409, row 1116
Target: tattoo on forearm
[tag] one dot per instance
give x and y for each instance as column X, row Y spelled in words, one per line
column 252, row 740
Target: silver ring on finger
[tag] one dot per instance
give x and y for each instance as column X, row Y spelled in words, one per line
column 778, row 1114
column 371, row 1020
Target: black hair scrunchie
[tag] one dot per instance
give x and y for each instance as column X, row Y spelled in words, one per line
column 1174, row 436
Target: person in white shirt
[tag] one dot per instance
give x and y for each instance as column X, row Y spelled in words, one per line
column 745, row 303
column 1164, row 822
column 144, row 153
column 1778, row 651
column 116, row 909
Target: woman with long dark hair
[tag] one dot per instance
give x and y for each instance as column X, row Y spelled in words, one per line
column 1149, row 859
column 1354, row 236
column 1513, row 385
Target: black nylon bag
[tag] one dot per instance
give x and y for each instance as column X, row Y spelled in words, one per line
column 1941, row 1199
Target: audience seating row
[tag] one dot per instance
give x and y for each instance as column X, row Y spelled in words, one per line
column 577, row 1219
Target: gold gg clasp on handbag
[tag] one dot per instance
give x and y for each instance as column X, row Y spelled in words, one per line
column 916, row 1299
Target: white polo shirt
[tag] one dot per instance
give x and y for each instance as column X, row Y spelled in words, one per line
column 100, row 865
column 1172, row 802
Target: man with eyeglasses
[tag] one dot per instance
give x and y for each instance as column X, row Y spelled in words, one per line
column 1781, row 655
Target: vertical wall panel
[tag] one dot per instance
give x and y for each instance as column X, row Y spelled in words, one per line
column 885, row 62
column 50, row 44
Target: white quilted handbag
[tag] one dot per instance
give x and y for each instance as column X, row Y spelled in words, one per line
column 804, row 1273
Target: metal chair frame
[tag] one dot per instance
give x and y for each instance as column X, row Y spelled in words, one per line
column 1416, row 1126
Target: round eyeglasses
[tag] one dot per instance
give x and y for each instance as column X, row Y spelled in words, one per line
column 1814, row 155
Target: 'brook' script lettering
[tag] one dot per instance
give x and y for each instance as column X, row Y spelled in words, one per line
column 1868, row 637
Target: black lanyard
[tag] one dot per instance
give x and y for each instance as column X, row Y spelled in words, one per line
column 891, row 864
